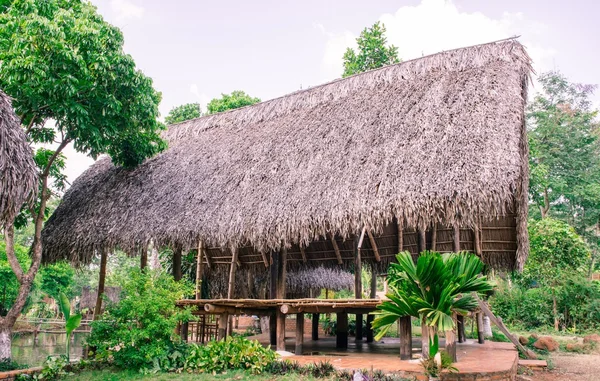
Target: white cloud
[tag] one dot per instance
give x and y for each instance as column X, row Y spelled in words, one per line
column 125, row 9
column 437, row 25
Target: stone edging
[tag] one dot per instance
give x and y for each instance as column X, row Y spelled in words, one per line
column 11, row 375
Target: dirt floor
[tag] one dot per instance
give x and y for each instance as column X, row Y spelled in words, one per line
column 567, row 366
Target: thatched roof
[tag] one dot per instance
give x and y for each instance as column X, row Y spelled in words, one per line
column 439, row 139
column 18, row 173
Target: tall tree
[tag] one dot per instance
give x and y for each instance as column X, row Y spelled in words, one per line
column 236, row 99
column 71, row 82
column 565, row 155
column 184, row 112
column 372, row 52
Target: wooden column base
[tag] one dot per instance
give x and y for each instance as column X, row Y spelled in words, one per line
column 280, row 331
column 405, row 338
column 480, row 336
column 273, row 329
column 315, row 326
column 222, row 331
column 341, row 336
column 460, row 328
column 299, row 334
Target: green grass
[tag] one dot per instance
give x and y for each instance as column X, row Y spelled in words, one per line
column 117, row 375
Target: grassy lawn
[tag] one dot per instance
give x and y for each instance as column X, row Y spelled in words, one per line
column 115, row 375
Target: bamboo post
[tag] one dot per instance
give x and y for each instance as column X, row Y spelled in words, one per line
column 315, row 326
column 299, row 334
column 101, row 280
column 341, row 335
column 405, row 334
column 480, row 336
column 223, row 320
column 374, row 246
column 274, row 275
column 231, row 284
column 358, row 288
column 281, row 279
column 451, row 343
column 199, row 269
column 336, row 249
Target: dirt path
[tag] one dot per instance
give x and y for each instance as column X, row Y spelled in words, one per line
column 567, row 366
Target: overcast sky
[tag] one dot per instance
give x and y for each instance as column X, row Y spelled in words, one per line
column 196, row 50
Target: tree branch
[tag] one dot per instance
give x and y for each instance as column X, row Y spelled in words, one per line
column 9, row 237
column 30, row 125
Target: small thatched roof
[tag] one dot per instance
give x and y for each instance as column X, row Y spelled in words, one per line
column 439, row 139
column 18, row 173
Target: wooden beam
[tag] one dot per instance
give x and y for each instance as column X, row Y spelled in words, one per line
column 405, row 338
column 498, row 322
column 303, row 253
column 374, row 246
column 216, row 310
column 265, row 259
column 101, row 280
column 208, row 259
column 199, row 269
column 456, row 238
column 336, row 249
column 299, row 334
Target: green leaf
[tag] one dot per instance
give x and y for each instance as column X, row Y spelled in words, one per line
column 64, row 305
column 73, row 323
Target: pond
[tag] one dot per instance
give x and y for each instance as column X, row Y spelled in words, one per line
column 26, row 350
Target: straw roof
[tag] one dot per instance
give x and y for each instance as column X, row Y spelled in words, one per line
column 440, row 139
column 18, row 173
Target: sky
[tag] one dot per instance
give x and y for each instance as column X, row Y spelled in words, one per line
column 196, row 50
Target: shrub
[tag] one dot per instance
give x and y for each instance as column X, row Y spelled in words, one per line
column 231, row 353
column 139, row 331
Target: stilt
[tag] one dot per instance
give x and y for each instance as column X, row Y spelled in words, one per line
column 144, row 258
column 222, row 332
column 358, row 287
column 405, row 338
column 177, row 262
column 341, row 335
column 299, row 334
column 315, row 326
column 231, row 285
column 451, row 345
column 101, row 280
column 274, row 270
column 460, row 326
column 372, row 295
column 480, row 336
column 281, row 279
column 199, row 269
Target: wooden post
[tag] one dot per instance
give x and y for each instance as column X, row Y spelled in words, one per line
column 341, row 335
column 299, row 334
column 451, row 343
column 231, row 284
column 424, row 340
column 477, row 241
column 480, row 336
column 372, row 295
column 144, row 258
column 274, row 270
column 199, row 270
column 422, row 241
column 282, row 265
column 358, row 288
column 223, row 320
column 460, row 326
column 434, row 237
column 400, row 235
column 101, row 279
column 456, row 238
column 177, row 262
column 315, row 326
column 405, row 334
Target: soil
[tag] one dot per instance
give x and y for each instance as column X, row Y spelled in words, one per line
column 570, row 366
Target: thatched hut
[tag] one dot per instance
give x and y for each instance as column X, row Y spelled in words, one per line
column 18, row 173
column 422, row 153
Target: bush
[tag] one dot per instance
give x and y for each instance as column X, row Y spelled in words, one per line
column 231, row 353
column 139, row 331
column 530, row 308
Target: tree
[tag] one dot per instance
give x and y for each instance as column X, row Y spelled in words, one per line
column 433, row 289
column 71, row 82
column 565, row 155
column 372, row 52
column 57, row 278
column 231, row 101
column 556, row 253
column 184, row 112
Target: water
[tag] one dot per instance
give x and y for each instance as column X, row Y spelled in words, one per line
column 33, row 353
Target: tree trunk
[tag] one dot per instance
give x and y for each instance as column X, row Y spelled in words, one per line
column 101, row 280
column 5, row 341
column 554, row 310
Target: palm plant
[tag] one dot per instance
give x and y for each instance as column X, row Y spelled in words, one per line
column 433, row 290
column 71, row 321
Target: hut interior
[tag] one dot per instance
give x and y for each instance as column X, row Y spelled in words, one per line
column 430, row 153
